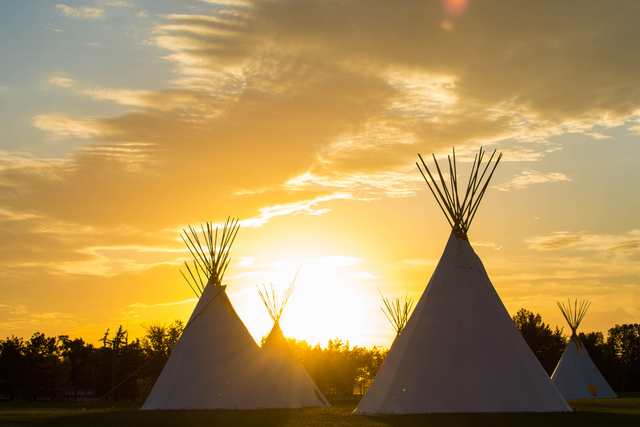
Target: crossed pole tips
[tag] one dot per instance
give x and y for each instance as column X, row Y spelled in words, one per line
column 210, row 261
column 459, row 212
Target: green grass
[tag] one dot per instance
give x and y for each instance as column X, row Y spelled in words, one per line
column 624, row 411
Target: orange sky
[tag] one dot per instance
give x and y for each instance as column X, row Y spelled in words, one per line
column 125, row 121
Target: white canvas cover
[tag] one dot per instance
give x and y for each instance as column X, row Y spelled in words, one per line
column 460, row 351
column 577, row 377
column 294, row 383
column 216, row 364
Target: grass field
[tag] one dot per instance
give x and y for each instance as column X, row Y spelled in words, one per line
column 624, row 411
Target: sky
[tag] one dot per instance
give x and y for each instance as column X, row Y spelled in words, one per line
column 124, row 122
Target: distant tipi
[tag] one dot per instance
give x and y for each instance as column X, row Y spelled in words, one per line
column 294, row 382
column 576, row 376
column 460, row 350
column 216, row 364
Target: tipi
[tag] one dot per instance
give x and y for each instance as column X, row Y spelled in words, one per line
column 576, row 376
column 216, row 364
column 294, row 383
column 460, row 351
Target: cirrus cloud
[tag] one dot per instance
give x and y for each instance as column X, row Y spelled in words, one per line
column 83, row 12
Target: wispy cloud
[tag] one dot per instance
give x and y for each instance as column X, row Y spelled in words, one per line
column 83, row 12
column 587, row 242
column 62, row 81
column 163, row 304
column 63, row 125
column 115, row 3
column 307, row 207
column 531, row 177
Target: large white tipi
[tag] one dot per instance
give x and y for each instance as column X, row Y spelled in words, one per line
column 576, row 376
column 216, row 364
column 295, row 384
column 460, row 350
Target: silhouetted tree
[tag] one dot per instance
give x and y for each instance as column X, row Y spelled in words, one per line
column 622, row 342
column 546, row 344
column 46, row 376
column 77, row 357
column 338, row 368
column 157, row 344
column 13, row 367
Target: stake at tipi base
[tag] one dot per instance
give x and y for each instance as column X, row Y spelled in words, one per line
column 295, row 384
column 576, row 376
column 460, row 350
column 216, row 364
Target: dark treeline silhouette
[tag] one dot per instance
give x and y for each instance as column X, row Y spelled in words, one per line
column 60, row 368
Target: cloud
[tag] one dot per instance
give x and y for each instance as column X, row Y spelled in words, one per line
column 230, row 3
column 114, row 260
column 284, row 107
column 83, row 12
column 307, row 206
column 559, row 240
column 487, row 245
column 63, row 125
column 62, row 81
column 587, row 242
column 139, row 305
column 166, row 100
column 531, row 177
column 115, row 3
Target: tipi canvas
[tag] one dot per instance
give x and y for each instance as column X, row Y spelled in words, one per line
column 216, row 364
column 460, row 350
column 294, row 383
column 576, row 376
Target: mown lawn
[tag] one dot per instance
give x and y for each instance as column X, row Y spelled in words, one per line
column 624, row 411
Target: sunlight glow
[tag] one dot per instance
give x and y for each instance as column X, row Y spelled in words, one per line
column 325, row 304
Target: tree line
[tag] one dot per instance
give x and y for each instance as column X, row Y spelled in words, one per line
column 61, row 368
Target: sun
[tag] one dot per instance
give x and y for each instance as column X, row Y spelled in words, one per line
column 326, row 303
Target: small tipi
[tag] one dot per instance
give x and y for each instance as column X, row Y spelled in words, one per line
column 216, row 364
column 460, row 351
column 295, row 384
column 576, row 376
